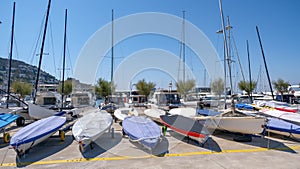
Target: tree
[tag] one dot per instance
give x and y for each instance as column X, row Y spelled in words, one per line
column 104, row 88
column 217, row 87
column 245, row 85
column 68, row 86
column 144, row 88
column 281, row 86
column 21, row 88
column 184, row 87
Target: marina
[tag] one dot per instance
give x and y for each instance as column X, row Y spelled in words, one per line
column 138, row 95
column 174, row 151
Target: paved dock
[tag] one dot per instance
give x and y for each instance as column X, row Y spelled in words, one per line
column 174, row 151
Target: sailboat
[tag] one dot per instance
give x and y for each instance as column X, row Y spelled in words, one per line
column 90, row 127
column 38, row 131
column 230, row 119
column 7, row 118
column 115, row 104
column 35, row 111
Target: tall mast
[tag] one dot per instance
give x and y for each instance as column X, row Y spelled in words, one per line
column 183, row 45
column 263, row 54
column 250, row 90
column 227, row 53
column 41, row 52
column 112, row 46
column 10, row 54
column 64, row 58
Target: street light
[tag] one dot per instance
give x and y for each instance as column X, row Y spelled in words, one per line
column 170, row 86
column 170, row 89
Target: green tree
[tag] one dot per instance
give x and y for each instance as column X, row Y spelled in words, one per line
column 183, row 88
column 281, row 86
column 21, row 88
column 68, row 86
column 217, row 87
column 144, row 88
column 245, row 85
column 104, row 88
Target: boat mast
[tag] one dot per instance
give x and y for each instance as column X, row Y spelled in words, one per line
column 64, row 58
column 112, row 49
column 10, row 54
column 41, row 53
column 227, row 54
column 262, row 51
column 183, row 46
column 250, row 87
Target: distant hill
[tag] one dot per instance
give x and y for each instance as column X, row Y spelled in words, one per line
column 24, row 72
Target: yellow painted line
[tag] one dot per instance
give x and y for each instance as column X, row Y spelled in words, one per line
column 143, row 157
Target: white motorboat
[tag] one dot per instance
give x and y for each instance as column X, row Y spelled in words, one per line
column 123, row 112
column 154, row 114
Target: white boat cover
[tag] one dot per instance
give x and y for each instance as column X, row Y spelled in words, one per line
column 287, row 116
column 184, row 111
column 92, row 125
column 154, row 113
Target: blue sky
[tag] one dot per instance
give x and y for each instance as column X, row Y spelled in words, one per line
column 278, row 22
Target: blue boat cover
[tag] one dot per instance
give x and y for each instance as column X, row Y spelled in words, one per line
column 207, row 112
column 37, row 130
column 142, row 129
column 244, row 106
column 7, row 118
column 283, row 126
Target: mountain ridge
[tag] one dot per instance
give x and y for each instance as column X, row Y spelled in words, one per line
column 24, row 72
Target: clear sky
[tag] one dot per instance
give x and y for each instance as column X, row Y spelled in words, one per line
column 277, row 20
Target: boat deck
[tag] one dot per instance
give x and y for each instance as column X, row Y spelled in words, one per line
column 174, row 151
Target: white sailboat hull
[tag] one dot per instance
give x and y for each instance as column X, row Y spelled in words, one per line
column 244, row 125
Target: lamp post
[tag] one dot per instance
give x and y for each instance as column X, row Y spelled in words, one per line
column 170, row 86
column 170, row 90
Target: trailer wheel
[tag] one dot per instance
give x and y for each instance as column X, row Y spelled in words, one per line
column 6, row 137
column 20, row 121
column 81, row 147
column 62, row 135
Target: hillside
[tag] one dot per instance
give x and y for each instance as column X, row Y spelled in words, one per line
column 24, row 72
